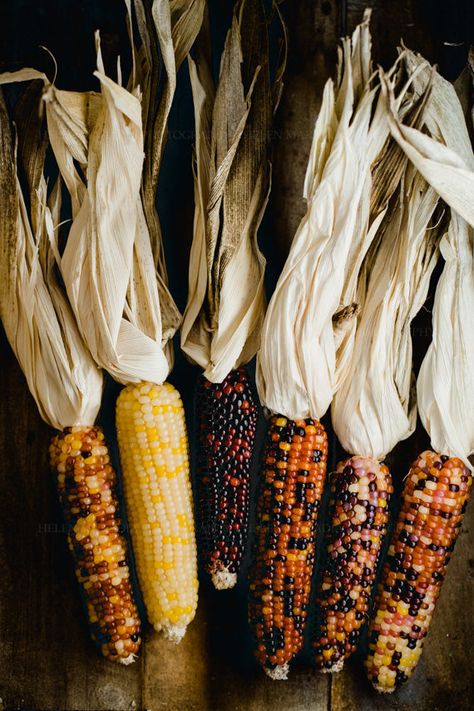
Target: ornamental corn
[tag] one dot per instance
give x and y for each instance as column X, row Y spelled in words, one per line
column 358, row 516
column 87, row 487
column 294, row 468
column 227, row 421
column 153, row 447
column 434, row 499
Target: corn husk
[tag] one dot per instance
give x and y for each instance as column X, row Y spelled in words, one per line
column 167, row 30
column 226, row 302
column 112, row 265
column 445, row 387
column 39, row 324
column 372, row 410
column 311, row 313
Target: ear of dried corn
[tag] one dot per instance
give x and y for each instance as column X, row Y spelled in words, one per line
column 226, row 303
column 436, row 489
column 126, row 333
column 296, row 367
column 64, row 381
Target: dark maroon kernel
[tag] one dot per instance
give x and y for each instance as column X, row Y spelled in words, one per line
column 346, row 557
column 227, row 419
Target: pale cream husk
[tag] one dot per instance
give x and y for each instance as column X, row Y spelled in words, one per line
column 445, row 386
column 374, row 409
column 226, row 301
column 296, row 366
column 38, row 321
column 113, row 265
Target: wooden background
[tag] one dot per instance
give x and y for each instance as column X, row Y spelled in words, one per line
column 46, row 658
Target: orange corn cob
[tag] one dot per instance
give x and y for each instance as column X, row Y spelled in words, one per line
column 358, row 516
column 434, row 499
column 87, row 487
column 294, row 468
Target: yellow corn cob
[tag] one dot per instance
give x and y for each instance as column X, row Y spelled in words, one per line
column 153, row 447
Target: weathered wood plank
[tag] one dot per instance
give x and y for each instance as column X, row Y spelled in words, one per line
column 46, row 657
column 411, row 21
column 313, row 31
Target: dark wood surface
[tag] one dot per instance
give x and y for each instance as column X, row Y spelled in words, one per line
column 46, row 658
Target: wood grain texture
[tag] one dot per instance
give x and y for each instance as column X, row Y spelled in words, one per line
column 313, row 30
column 46, row 658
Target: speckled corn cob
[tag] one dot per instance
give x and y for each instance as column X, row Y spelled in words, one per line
column 153, row 445
column 434, row 498
column 358, row 517
column 294, row 468
column 88, row 494
column 227, row 421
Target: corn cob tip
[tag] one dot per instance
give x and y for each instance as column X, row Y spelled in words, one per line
column 224, row 579
column 278, row 673
column 384, row 689
column 337, row 667
column 128, row 660
column 173, row 633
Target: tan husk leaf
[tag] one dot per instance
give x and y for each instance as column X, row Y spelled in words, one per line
column 296, row 366
column 224, row 313
column 108, row 243
column 167, row 31
column 98, row 144
column 445, row 386
column 372, row 411
column 61, row 375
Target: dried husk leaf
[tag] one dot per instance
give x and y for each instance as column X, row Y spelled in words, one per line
column 108, row 243
column 372, row 410
column 40, row 326
column 98, row 143
column 224, row 313
column 296, row 366
column 445, row 387
column 167, row 31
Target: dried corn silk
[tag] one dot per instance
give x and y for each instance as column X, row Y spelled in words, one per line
column 226, row 303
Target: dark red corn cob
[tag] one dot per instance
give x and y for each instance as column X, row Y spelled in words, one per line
column 433, row 503
column 227, row 415
column 294, row 468
column 358, row 518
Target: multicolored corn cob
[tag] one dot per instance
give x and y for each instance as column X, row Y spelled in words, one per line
column 153, row 443
column 358, row 518
column 294, row 469
column 87, row 487
column 434, row 499
column 227, row 416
